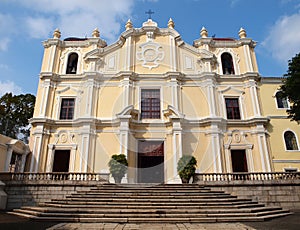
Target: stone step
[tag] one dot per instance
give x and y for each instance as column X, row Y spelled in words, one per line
column 153, row 220
column 271, row 212
column 141, row 206
column 159, row 204
column 150, row 185
column 151, row 203
column 157, row 214
column 258, row 211
column 145, row 196
column 155, row 200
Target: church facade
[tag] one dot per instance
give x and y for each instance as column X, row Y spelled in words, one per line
column 154, row 98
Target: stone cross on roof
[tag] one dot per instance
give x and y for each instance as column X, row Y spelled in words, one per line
column 150, row 13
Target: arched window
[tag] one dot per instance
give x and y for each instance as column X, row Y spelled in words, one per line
column 72, row 63
column 227, row 63
column 282, row 102
column 290, row 141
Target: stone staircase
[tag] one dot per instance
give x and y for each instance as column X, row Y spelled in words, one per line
column 158, row 204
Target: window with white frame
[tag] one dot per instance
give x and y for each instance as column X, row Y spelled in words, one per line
column 150, row 104
column 232, row 108
column 290, row 141
column 67, row 109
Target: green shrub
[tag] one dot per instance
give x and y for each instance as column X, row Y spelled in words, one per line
column 186, row 167
column 118, row 166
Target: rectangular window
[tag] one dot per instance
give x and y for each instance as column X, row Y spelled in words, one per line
column 232, row 108
column 67, row 109
column 150, row 104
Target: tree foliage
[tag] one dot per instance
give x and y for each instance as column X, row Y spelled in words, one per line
column 291, row 87
column 15, row 110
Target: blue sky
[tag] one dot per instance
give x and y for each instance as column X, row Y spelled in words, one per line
column 24, row 24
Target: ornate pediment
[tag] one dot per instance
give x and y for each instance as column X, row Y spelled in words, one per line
column 172, row 112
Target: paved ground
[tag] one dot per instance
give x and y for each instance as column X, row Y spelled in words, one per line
column 10, row 222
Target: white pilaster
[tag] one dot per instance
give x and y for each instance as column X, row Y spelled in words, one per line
column 87, row 149
column 254, row 99
column 45, row 98
column 175, row 89
column 210, row 95
column 263, row 149
column 248, row 59
column 50, row 158
column 37, row 148
column 128, row 53
column 177, row 149
column 90, row 95
column 173, row 54
column 216, row 148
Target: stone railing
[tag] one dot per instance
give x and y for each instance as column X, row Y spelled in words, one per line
column 254, row 176
column 54, row 177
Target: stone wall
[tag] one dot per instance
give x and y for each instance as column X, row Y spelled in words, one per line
column 284, row 193
column 29, row 193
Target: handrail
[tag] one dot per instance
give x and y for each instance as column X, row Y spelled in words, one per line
column 53, row 176
column 75, row 176
column 252, row 176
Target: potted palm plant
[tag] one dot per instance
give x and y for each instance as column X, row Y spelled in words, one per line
column 118, row 167
column 186, row 168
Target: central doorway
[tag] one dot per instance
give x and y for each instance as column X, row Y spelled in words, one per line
column 61, row 161
column 239, row 161
column 151, row 162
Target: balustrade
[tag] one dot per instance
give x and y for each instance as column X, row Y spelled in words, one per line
column 253, row 176
column 51, row 176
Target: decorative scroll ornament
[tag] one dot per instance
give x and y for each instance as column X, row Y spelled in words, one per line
column 151, row 54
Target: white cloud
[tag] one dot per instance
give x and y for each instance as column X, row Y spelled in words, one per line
column 7, row 28
column 233, row 2
column 283, row 39
column 7, row 24
column 77, row 17
column 38, row 27
column 9, row 87
column 4, row 44
column 4, row 66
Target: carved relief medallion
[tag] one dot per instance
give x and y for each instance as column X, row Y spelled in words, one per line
column 151, row 54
